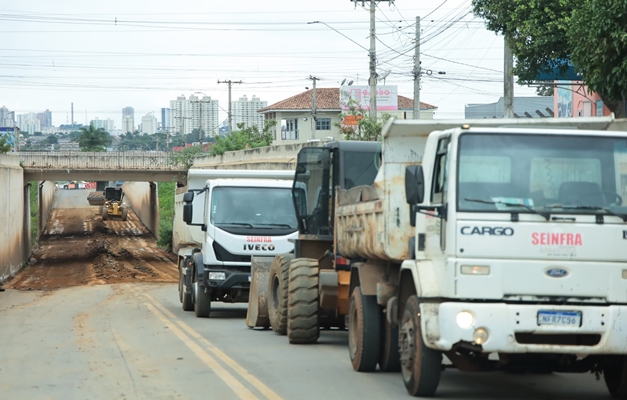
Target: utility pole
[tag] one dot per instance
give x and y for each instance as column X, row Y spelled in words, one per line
column 508, row 81
column 373, row 63
column 314, row 111
column 417, row 72
column 230, row 83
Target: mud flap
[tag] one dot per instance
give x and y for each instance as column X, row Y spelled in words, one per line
column 257, row 315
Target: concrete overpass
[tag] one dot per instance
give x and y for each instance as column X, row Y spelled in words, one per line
column 107, row 166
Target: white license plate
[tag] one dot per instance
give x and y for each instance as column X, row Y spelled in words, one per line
column 248, row 278
column 568, row 318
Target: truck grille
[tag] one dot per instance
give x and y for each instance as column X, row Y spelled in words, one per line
column 564, row 339
column 223, row 255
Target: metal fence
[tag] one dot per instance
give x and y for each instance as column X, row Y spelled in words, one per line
column 118, row 160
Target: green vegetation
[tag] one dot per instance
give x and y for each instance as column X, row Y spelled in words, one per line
column 367, row 128
column 92, row 139
column 4, row 146
column 186, row 156
column 244, row 138
column 34, row 212
column 167, row 191
column 546, row 34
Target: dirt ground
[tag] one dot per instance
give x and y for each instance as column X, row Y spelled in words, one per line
column 79, row 248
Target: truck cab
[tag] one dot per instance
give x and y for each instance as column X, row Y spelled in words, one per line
column 239, row 217
column 519, row 252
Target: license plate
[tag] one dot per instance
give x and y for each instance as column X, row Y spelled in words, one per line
column 568, row 318
column 248, row 278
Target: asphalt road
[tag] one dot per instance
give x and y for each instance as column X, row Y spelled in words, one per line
column 133, row 341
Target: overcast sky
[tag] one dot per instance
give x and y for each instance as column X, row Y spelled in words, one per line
column 105, row 55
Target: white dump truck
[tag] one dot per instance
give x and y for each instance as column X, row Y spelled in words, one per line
column 500, row 244
column 225, row 218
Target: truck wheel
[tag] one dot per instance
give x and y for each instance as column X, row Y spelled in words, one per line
column 202, row 301
column 615, row 374
column 302, row 302
column 186, row 298
column 364, row 331
column 104, row 213
column 124, row 215
column 389, row 358
column 277, row 292
column 420, row 365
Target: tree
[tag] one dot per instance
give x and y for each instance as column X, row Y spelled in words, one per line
column 548, row 34
column 94, row 139
column 244, row 138
column 186, row 156
column 4, row 146
column 51, row 139
column 598, row 39
column 38, row 134
column 366, row 128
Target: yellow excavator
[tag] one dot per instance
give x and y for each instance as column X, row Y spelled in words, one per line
column 113, row 207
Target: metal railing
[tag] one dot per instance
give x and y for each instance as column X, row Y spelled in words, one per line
column 117, row 160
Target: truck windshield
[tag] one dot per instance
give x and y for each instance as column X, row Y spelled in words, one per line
column 550, row 173
column 253, row 207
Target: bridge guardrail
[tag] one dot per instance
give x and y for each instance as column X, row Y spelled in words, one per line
column 126, row 160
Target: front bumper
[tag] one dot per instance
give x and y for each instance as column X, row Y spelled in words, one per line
column 234, row 279
column 513, row 328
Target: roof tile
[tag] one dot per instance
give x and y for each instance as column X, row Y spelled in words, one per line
column 329, row 99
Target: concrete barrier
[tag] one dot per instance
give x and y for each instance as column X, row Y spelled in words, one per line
column 14, row 218
column 143, row 198
column 47, row 191
column 279, row 157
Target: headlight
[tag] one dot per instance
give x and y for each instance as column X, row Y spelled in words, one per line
column 480, row 335
column 217, row 276
column 465, row 319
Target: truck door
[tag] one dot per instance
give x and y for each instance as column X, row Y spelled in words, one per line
column 436, row 231
column 311, row 191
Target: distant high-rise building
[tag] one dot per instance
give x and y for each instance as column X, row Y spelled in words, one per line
column 7, row 118
column 245, row 111
column 128, row 124
column 106, row 124
column 165, row 119
column 194, row 113
column 28, row 123
column 149, row 124
column 128, row 112
column 45, row 119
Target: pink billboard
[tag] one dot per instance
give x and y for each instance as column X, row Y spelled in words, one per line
column 387, row 97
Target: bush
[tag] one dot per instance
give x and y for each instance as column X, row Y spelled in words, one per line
column 34, row 212
column 166, row 192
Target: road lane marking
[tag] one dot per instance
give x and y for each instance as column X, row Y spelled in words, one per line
column 240, row 390
column 250, row 378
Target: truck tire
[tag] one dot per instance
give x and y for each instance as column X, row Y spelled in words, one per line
column 420, row 365
column 124, row 215
column 389, row 358
column 202, row 301
column 364, row 331
column 302, row 302
column 104, row 213
column 277, row 292
column 186, row 298
column 615, row 375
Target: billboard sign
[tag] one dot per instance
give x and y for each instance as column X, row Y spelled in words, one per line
column 387, row 97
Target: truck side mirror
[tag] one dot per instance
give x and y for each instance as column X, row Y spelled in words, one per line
column 414, row 184
column 188, row 197
column 188, row 211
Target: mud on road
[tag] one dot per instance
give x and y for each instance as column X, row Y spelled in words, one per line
column 78, row 248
